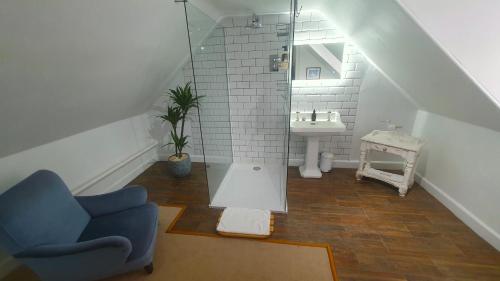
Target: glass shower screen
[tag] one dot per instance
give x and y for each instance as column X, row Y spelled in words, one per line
column 240, row 65
column 207, row 70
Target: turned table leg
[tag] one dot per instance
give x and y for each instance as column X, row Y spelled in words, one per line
column 362, row 162
column 409, row 173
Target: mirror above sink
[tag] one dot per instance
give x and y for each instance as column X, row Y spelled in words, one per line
column 318, row 48
column 318, row 61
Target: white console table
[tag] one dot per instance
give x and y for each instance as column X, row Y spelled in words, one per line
column 393, row 142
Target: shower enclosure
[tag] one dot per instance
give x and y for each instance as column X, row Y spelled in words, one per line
column 240, row 67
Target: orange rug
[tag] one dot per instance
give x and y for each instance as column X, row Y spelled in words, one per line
column 189, row 256
column 183, row 256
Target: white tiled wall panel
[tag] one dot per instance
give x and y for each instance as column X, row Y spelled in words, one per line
column 324, row 95
column 258, row 102
column 312, row 28
column 209, row 61
column 258, row 97
column 250, row 122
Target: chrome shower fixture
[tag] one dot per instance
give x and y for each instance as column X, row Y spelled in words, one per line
column 255, row 22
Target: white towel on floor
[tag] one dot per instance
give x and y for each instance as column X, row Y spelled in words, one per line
column 245, row 221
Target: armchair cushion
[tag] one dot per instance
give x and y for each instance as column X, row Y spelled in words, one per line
column 129, row 197
column 136, row 224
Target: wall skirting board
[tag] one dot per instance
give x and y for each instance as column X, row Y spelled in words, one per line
column 120, row 174
column 353, row 164
column 467, row 217
column 349, row 164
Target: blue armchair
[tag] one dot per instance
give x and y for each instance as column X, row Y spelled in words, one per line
column 61, row 237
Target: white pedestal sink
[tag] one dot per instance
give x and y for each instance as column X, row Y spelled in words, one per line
column 313, row 130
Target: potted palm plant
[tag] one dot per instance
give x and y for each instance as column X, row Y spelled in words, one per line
column 183, row 101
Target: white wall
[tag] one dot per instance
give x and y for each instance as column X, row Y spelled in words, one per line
column 70, row 66
column 339, row 95
column 460, row 167
column 88, row 159
column 256, row 103
column 397, row 45
column 468, row 31
column 380, row 100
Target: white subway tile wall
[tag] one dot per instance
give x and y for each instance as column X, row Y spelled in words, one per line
column 209, row 62
column 255, row 112
column 258, row 98
column 312, row 27
column 324, row 95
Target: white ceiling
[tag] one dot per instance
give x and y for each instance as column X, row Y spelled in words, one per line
column 70, row 66
column 468, row 31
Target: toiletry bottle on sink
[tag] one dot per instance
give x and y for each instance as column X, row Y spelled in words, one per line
column 313, row 116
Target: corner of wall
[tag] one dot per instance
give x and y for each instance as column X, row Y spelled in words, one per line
column 457, row 167
column 380, row 100
column 459, row 210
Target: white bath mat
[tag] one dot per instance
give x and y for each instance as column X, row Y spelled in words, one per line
column 247, row 222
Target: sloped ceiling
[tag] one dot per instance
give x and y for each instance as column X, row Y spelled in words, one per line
column 67, row 66
column 468, row 31
column 453, row 73
column 398, row 46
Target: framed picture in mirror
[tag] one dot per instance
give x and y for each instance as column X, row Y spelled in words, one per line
column 313, row 73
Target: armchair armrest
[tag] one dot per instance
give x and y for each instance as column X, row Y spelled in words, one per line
column 88, row 260
column 116, row 201
column 119, row 244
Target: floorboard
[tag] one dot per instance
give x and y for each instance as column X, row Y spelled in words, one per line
column 374, row 234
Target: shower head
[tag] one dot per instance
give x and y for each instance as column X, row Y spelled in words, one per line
column 255, row 22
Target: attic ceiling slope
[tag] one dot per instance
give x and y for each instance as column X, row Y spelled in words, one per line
column 393, row 41
column 449, row 23
column 70, row 66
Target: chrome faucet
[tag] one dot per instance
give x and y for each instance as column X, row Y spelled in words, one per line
column 329, row 116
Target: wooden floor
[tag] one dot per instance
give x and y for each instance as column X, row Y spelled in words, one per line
column 375, row 234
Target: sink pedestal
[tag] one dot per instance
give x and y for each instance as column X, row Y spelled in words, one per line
column 327, row 124
column 310, row 168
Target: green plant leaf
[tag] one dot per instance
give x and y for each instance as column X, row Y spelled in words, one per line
column 183, row 101
column 173, row 116
column 183, row 97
